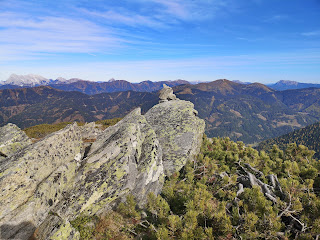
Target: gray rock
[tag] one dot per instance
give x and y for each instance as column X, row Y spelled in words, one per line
column 179, row 131
column 126, row 158
column 166, row 94
column 90, row 131
column 12, row 140
column 33, row 180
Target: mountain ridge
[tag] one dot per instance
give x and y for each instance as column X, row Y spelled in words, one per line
column 288, row 84
column 85, row 86
column 249, row 113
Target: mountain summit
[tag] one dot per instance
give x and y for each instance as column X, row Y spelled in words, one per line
column 31, row 80
column 287, row 84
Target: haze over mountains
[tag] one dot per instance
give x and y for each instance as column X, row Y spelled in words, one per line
column 85, row 86
column 287, row 84
column 245, row 112
column 112, row 85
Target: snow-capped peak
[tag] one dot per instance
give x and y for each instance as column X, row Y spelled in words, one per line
column 27, row 80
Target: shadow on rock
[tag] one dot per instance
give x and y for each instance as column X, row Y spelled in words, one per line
column 22, row 231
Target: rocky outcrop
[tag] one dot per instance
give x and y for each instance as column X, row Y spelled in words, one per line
column 12, row 139
column 179, row 131
column 50, row 183
column 126, row 158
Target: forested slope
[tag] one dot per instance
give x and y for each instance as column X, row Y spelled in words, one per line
column 308, row 136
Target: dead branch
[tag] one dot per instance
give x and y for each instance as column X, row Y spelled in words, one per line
column 287, row 208
column 256, row 171
column 241, row 190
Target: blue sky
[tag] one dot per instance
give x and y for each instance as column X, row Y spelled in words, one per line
column 196, row 40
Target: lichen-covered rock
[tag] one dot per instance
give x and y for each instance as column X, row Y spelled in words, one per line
column 33, row 180
column 90, row 131
column 50, row 183
column 12, row 139
column 126, row 158
column 179, row 131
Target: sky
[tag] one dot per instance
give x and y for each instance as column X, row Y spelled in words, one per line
column 136, row 40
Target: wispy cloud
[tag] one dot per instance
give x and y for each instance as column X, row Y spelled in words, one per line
column 190, row 10
column 121, row 16
column 26, row 36
column 249, row 39
column 193, row 10
column 311, row 34
column 161, row 13
column 31, row 30
column 277, row 18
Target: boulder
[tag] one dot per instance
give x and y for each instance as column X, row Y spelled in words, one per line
column 12, row 139
column 179, row 131
column 33, row 180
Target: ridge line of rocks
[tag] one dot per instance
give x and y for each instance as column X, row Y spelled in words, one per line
column 63, row 175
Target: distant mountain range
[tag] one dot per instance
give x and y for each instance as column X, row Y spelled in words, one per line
column 238, row 81
column 244, row 112
column 251, row 112
column 308, row 136
column 87, row 87
column 91, row 87
column 286, row 84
